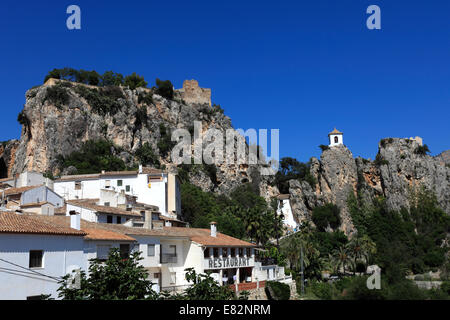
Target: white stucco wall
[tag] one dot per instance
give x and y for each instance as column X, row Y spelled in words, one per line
column 90, row 189
column 61, row 254
column 85, row 214
column 340, row 139
column 41, row 194
column 284, row 207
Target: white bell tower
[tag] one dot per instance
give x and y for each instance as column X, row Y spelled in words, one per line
column 336, row 138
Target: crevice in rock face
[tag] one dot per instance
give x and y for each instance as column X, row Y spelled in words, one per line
column 3, row 169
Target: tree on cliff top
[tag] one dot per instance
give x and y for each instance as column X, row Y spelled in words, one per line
column 134, row 81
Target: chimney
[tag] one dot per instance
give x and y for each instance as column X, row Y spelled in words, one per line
column 140, row 168
column 75, row 220
column 213, row 229
column 148, row 220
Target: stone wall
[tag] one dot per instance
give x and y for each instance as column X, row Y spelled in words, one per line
column 191, row 93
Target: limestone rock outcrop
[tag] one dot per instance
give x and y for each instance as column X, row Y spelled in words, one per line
column 398, row 170
column 50, row 129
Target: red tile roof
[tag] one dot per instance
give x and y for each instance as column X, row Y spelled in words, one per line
column 92, row 230
column 11, row 191
column 11, row 222
column 91, row 204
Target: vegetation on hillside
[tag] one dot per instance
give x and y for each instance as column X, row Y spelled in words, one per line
column 244, row 214
column 93, row 157
column 124, row 278
column 289, row 169
column 401, row 243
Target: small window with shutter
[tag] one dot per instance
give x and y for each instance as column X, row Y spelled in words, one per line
column 36, row 258
column 151, row 250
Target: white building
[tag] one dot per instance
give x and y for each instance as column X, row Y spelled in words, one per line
column 39, row 199
column 34, row 255
column 284, row 208
column 336, row 138
column 149, row 186
column 26, row 179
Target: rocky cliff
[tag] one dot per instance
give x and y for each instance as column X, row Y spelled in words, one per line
column 59, row 116
column 398, row 170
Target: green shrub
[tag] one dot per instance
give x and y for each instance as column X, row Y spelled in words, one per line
column 102, row 100
column 146, row 156
column 321, row 290
column 277, row 290
column 165, row 143
column 134, row 81
column 324, row 147
column 57, row 95
column 93, row 157
column 110, row 78
column 327, row 215
column 22, row 118
column 445, row 287
column 164, row 88
column 379, row 161
column 291, row 168
column 422, row 150
column 145, row 98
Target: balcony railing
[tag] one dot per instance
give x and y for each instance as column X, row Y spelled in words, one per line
column 168, row 258
column 266, row 261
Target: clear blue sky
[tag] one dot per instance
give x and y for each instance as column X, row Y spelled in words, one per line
column 303, row 67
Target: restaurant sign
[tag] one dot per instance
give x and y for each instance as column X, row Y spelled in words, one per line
column 228, row 262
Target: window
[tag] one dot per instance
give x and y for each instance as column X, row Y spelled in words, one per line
column 224, row 252
column 103, row 252
column 124, row 250
column 248, row 252
column 241, row 252
column 119, row 183
column 119, row 220
column 173, row 278
column 336, row 139
column 151, row 250
column 107, row 183
column 216, row 252
column 127, row 188
column 233, row 252
column 36, row 258
column 156, row 276
column 77, row 185
column 173, row 249
column 206, row 253
column 106, row 204
column 155, row 216
column 109, row 219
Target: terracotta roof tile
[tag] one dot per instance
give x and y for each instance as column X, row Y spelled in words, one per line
column 119, row 173
column 149, row 170
column 15, row 223
column 92, row 230
column 101, row 234
column 11, row 191
column 201, row 236
column 335, row 131
column 33, row 204
column 78, row 177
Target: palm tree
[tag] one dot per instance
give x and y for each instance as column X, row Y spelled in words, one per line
column 342, row 258
column 355, row 251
